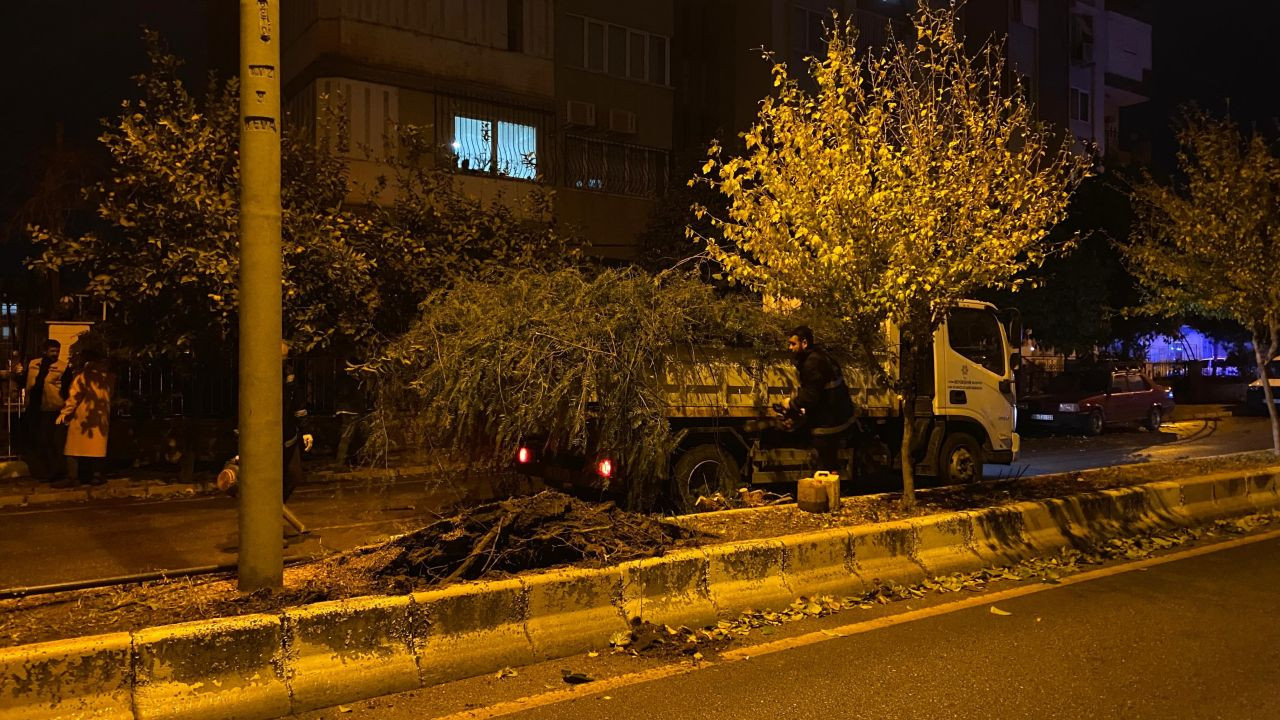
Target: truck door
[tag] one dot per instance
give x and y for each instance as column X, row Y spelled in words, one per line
column 974, row 370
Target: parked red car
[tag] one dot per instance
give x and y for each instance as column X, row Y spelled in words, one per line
column 1087, row 400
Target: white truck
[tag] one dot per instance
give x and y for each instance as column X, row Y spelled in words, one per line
column 720, row 408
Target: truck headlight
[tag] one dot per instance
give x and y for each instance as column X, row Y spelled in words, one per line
column 1068, row 407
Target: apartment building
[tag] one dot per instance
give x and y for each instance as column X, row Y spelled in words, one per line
column 1083, row 63
column 594, row 99
column 721, row 75
column 513, row 94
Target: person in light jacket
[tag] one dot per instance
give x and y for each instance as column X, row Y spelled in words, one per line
column 87, row 415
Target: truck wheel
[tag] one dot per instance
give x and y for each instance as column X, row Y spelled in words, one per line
column 704, row 470
column 960, row 460
column 1154, row 418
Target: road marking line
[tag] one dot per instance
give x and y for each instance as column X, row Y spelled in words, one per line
column 984, row 599
column 746, row 653
column 580, row 691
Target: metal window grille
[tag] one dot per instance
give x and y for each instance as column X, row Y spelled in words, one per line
column 615, row 167
column 484, row 137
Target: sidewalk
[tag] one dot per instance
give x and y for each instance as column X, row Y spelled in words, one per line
column 1200, row 412
column 17, row 489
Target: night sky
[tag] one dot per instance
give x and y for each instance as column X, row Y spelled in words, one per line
column 71, row 61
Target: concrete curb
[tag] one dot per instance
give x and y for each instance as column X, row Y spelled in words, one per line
column 264, row 666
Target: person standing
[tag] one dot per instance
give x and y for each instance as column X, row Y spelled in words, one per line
column 822, row 403
column 87, row 415
column 44, row 401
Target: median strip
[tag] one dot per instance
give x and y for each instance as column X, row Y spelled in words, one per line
column 262, row 666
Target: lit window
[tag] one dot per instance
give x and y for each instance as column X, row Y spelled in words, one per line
column 503, row 148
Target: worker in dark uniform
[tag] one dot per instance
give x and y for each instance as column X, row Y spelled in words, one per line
column 296, row 442
column 822, row 404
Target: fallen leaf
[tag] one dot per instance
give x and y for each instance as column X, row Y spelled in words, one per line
column 575, row 678
column 344, row 709
column 997, row 611
column 505, row 673
column 593, row 653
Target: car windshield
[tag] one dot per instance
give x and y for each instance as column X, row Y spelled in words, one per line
column 1079, row 381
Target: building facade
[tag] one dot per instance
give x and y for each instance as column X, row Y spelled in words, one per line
column 514, row 94
column 1083, row 63
column 607, row 103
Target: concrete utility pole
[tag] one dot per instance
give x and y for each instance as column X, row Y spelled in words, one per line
column 261, row 406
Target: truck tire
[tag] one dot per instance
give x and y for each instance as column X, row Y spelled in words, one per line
column 960, row 459
column 1154, row 418
column 704, row 469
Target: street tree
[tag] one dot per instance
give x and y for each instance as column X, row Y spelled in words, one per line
column 165, row 256
column 1206, row 242
column 907, row 179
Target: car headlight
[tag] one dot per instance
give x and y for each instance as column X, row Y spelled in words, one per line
column 1068, row 407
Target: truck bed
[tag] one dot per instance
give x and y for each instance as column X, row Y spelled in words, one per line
column 738, row 383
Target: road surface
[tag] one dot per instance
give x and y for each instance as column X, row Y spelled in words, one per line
column 1046, row 454
column 1185, row 635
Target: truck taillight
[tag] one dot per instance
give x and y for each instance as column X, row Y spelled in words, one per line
column 524, row 456
column 604, row 468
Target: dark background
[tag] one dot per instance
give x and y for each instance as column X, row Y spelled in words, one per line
column 71, row 64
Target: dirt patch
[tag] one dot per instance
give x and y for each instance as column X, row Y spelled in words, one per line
column 486, row 541
column 860, row 510
column 544, row 530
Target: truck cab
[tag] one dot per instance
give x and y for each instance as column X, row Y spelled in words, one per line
column 973, row 404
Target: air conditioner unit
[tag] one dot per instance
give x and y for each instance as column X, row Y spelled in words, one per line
column 581, row 113
column 622, row 121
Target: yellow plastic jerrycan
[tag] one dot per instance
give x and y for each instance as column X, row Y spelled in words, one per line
column 820, row 493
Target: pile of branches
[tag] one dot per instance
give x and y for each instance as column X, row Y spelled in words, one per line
column 570, row 358
column 526, row 533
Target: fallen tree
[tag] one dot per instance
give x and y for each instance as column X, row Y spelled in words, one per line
column 569, row 358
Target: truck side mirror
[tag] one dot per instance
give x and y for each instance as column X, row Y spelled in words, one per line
column 1015, row 362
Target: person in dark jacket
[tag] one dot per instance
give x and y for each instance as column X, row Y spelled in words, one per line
column 44, row 402
column 295, row 412
column 822, row 404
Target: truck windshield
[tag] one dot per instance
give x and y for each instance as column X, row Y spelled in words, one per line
column 975, row 334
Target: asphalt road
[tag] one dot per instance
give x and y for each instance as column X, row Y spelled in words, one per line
column 1181, row 636
column 49, row 545
column 1045, row 454
column 71, row 543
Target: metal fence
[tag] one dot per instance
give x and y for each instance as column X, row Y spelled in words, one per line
column 211, row 390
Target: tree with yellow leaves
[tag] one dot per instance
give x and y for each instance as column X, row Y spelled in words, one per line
column 1208, row 243
column 910, row 178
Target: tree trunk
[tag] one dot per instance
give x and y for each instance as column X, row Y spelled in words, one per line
column 908, row 463
column 1268, row 398
column 908, row 362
